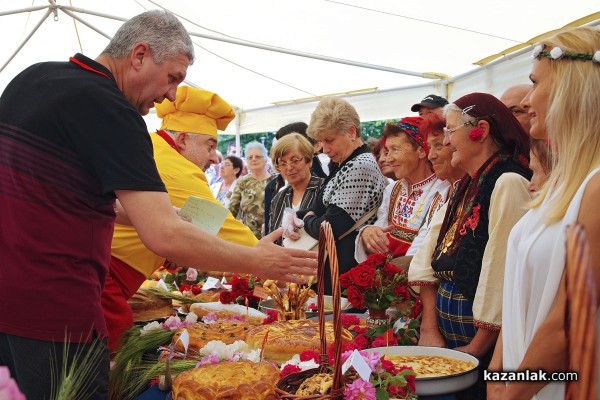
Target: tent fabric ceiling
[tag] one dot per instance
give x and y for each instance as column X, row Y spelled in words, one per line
column 271, row 88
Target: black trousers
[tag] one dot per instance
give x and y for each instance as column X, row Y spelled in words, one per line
column 33, row 363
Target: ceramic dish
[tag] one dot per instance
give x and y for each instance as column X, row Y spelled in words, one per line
column 429, row 386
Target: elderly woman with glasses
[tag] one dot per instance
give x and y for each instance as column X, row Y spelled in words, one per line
column 467, row 267
column 354, row 189
column 292, row 156
column 248, row 199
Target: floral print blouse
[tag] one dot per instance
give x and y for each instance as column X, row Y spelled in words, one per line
column 247, row 202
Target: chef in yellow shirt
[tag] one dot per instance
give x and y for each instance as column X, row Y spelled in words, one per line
column 184, row 148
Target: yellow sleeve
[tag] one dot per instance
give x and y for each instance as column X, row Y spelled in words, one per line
column 182, row 179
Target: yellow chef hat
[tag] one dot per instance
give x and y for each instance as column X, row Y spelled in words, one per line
column 195, row 111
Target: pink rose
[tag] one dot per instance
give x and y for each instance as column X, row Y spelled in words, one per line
column 8, row 387
column 191, row 274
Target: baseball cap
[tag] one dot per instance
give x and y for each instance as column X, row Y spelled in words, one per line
column 431, row 101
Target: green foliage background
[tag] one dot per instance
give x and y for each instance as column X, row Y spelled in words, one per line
column 369, row 129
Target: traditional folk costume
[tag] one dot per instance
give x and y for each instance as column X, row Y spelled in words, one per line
column 131, row 262
column 406, row 207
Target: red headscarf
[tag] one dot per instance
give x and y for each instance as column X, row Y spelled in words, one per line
column 504, row 127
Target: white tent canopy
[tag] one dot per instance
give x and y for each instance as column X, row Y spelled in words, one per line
column 273, row 59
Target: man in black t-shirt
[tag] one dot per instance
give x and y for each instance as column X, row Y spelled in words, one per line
column 72, row 139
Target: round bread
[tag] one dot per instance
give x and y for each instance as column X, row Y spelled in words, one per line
column 147, row 306
column 227, row 380
column 201, row 334
column 287, row 338
column 211, row 295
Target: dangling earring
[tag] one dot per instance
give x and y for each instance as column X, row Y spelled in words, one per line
column 476, row 134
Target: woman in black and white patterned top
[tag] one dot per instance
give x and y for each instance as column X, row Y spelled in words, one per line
column 355, row 183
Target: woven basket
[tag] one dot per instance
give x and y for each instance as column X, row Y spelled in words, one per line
column 286, row 387
column 580, row 316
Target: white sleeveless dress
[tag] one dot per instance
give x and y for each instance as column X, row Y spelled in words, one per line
column 535, row 262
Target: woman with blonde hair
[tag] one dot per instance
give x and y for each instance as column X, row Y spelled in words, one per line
column 354, row 188
column 563, row 104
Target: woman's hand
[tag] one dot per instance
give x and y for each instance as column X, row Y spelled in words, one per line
column 375, row 239
column 431, row 337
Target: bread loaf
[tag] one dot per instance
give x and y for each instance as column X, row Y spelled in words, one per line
column 227, row 380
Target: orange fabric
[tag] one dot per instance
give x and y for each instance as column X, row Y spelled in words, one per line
column 121, row 283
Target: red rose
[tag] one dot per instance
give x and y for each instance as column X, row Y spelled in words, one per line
column 349, row 320
column 391, row 270
column 388, row 366
column 377, row 258
column 226, row 297
column 417, row 308
column 308, row 355
column 401, row 292
column 196, row 289
column 271, row 317
column 355, row 297
column 361, row 342
column 184, row 287
column 289, row 369
column 239, row 287
column 360, row 329
column 346, row 279
column 363, row 276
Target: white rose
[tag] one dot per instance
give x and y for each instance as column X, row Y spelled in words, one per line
column 596, row 57
column 556, row 53
column 150, row 327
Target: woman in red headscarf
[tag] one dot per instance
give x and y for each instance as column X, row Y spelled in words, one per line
column 468, row 262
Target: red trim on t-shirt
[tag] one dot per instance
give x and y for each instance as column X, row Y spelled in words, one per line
column 85, row 66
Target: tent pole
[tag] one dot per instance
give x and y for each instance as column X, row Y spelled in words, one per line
column 26, row 39
column 22, row 10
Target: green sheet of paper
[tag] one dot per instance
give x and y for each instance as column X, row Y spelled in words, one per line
column 205, row 214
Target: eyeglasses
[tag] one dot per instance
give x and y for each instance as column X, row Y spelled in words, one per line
column 257, row 157
column 448, row 132
column 294, row 161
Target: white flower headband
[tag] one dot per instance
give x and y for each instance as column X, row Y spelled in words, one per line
column 557, row 53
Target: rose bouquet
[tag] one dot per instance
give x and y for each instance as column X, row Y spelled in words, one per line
column 375, row 283
column 242, row 289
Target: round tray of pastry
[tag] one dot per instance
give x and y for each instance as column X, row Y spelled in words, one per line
column 439, row 370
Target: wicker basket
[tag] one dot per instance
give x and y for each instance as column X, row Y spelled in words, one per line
column 286, row 388
column 580, row 316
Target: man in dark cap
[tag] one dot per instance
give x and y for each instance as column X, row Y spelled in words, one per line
column 430, row 104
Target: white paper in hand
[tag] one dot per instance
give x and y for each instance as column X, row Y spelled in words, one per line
column 205, row 214
column 306, row 242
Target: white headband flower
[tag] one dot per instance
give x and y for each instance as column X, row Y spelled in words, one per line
column 596, row 57
column 556, row 53
column 537, row 50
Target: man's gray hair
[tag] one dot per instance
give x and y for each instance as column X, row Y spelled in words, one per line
column 165, row 35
